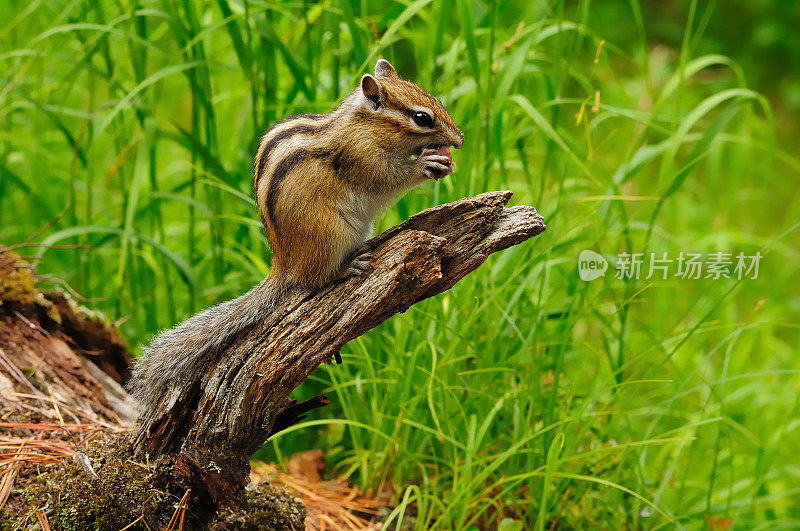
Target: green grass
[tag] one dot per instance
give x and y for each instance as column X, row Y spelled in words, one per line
column 523, row 393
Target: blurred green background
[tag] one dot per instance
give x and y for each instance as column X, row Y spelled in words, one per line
column 525, row 397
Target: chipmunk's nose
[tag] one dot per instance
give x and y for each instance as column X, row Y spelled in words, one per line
column 457, row 139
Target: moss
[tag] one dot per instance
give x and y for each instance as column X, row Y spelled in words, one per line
column 267, row 507
column 125, row 490
column 18, row 286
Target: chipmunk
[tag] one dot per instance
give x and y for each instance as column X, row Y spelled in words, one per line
column 319, row 180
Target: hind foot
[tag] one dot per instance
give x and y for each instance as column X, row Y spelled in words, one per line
column 361, row 265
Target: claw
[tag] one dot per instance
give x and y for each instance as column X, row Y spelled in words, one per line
column 436, row 170
column 436, row 164
column 361, row 265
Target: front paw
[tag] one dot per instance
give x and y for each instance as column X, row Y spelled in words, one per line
column 436, row 162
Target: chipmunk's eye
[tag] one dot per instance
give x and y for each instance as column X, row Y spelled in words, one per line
column 423, row 119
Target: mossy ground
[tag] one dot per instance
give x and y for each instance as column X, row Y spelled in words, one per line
column 127, row 491
column 267, row 507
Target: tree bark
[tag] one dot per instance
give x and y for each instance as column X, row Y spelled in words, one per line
column 214, row 423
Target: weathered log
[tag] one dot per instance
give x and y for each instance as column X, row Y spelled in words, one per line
column 215, row 421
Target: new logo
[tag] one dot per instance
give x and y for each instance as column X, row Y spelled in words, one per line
column 591, row 265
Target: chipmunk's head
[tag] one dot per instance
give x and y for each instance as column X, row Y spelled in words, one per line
column 412, row 119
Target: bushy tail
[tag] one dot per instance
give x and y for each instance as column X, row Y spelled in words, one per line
column 182, row 353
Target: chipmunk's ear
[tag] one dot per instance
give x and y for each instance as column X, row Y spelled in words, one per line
column 384, row 69
column 371, row 90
